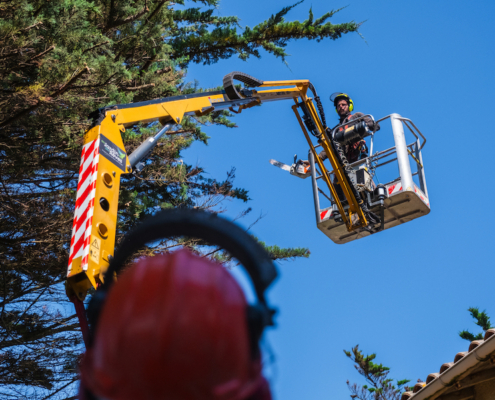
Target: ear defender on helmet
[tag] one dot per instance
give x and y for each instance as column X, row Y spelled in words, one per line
column 215, row 231
column 179, row 315
column 335, row 97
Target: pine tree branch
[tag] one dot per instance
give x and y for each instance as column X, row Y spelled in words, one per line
column 95, row 46
column 67, row 85
column 25, row 292
column 38, row 335
column 57, row 93
column 163, row 71
column 19, row 115
column 14, row 53
column 62, row 388
column 42, row 54
column 31, row 27
column 222, row 43
column 147, row 64
column 153, row 13
column 466, row 335
column 136, row 88
column 27, row 63
column 124, row 21
column 195, row 16
column 482, row 319
column 277, row 18
column 29, row 307
column 96, row 85
column 37, row 12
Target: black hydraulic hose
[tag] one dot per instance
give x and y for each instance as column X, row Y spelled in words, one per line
column 318, row 105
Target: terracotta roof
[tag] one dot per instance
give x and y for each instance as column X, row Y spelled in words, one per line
column 456, row 380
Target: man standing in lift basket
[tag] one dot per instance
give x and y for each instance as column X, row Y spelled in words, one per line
column 353, row 151
column 344, row 105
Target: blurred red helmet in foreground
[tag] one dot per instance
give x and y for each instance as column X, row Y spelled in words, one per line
column 174, row 327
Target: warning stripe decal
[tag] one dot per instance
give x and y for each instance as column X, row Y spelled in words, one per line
column 421, row 195
column 392, row 189
column 83, row 213
column 325, row 214
column 397, row 187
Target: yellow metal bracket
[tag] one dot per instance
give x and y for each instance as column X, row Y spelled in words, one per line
column 205, row 112
column 176, row 109
column 253, row 103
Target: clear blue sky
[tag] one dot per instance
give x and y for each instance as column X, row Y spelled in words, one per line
column 402, row 293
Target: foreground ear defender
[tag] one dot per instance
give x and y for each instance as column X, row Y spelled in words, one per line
column 214, row 230
column 335, row 97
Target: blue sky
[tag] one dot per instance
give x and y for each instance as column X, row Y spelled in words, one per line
column 404, row 292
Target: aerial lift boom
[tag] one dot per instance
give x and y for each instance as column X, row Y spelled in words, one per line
column 104, row 160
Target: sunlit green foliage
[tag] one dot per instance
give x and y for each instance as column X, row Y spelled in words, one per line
column 378, row 384
column 482, row 320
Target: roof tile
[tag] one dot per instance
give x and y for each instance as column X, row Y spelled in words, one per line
column 458, row 356
column 481, row 349
column 418, row 386
column 489, row 333
column 431, row 377
column 445, row 367
column 474, row 344
column 406, row 395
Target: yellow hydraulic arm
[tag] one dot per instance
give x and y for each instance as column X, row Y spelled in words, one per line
column 104, row 160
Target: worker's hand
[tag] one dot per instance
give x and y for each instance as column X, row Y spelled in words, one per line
column 373, row 126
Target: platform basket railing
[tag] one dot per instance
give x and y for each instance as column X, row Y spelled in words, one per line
column 401, row 153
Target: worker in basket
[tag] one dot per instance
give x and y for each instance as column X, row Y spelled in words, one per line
column 344, row 106
column 177, row 327
column 356, row 150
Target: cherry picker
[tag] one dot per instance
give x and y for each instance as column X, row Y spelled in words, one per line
column 364, row 209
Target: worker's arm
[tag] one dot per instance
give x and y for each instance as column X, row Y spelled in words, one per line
column 372, row 126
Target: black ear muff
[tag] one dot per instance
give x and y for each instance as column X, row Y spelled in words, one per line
column 213, row 230
column 94, row 309
column 258, row 319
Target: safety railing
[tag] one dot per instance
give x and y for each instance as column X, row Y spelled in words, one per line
column 401, row 152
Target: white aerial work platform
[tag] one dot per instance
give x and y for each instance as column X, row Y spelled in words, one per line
column 396, row 202
column 403, row 201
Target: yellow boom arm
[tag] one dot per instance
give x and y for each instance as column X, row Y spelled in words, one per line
column 104, row 160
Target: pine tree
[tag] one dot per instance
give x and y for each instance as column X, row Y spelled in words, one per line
column 61, row 60
column 379, row 386
column 482, row 320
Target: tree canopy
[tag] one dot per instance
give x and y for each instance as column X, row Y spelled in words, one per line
column 59, row 61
